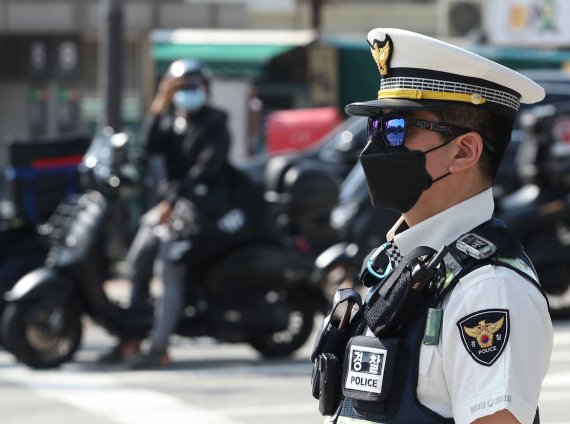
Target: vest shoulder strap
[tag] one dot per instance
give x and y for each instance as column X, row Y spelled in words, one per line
column 508, row 253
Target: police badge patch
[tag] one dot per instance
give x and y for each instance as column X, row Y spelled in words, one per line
column 485, row 334
column 366, row 369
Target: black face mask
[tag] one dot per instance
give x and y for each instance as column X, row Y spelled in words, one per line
column 396, row 177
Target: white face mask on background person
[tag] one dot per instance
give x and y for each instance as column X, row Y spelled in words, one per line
column 190, row 100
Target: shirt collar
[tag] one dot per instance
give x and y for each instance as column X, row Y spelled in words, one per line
column 448, row 224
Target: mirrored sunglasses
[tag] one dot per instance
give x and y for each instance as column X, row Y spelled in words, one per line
column 392, row 129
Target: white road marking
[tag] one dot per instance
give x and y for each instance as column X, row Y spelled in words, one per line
column 558, row 380
column 556, row 387
column 103, row 397
column 554, row 396
column 561, row 338
column 560, row 356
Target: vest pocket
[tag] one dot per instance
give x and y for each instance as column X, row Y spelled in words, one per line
column 373, row 377
column 369, row 368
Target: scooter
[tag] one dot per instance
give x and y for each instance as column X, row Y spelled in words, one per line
column 39, row 172
column 267, row 278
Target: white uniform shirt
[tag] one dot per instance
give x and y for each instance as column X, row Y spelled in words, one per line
column 450, row 381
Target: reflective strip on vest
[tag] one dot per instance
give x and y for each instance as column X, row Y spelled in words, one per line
column 519, row 264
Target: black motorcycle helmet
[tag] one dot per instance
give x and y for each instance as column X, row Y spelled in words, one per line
column 192, row 70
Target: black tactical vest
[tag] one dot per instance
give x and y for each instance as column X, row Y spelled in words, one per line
column 392, row 399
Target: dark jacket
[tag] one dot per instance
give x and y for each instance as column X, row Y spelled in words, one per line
column 195, row 151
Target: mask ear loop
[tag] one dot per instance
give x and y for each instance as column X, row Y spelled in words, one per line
column 372, row 259
column 435, row 148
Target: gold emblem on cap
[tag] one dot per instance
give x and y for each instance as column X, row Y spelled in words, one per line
column 484, row 332
column 381, row 52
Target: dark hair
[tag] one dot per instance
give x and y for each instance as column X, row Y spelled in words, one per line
column 495, row 130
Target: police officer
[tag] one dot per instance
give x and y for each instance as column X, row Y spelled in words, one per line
column 436, row 135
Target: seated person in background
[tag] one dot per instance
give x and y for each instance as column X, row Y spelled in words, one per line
column 195, row 145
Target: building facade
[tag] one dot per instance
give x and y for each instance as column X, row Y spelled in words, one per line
column 52, row 73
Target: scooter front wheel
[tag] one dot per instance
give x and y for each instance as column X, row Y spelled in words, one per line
column 42, row 334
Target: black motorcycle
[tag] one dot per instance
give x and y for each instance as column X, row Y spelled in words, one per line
column 268, row 277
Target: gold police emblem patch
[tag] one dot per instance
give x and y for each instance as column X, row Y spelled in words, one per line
column 382, row 52
column 485, row 334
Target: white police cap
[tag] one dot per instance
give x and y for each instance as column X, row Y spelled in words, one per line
column 419, row 72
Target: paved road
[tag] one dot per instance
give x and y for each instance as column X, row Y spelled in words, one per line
column 208, row 383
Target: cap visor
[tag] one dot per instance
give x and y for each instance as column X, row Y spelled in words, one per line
column 373, row 106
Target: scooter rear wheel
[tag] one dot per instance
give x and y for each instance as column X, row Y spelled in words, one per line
column 298, row 316
column 42, row 334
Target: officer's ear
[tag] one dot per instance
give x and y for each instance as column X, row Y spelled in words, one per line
column 467, row 151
